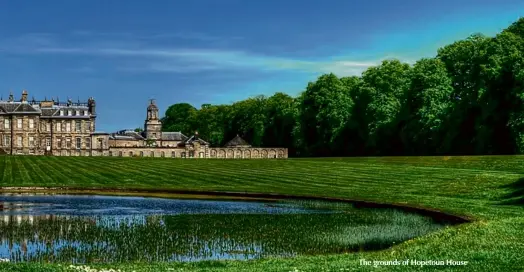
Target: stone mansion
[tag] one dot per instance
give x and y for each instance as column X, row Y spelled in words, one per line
column 49, row 127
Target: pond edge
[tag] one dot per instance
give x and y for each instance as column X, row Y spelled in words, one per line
column 433, row 213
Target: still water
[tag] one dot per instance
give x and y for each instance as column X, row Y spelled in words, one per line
column 84, row 229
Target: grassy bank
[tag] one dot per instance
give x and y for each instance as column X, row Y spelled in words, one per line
column 489, row 189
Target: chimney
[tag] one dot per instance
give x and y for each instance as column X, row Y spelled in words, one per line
column 24, row 96
column 91, row 104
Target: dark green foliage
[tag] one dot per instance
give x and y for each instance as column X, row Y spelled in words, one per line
column 467, row 100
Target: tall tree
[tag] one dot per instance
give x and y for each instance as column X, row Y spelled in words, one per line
column 354, row 136
column 280, row 120
column 464, row 61
column 427, row 104
column 326, row 107
column 247, row 119
column 502, row 110
column 179, row 117
column 211, row 122
column 386, row 84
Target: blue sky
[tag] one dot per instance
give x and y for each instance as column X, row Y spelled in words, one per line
column 124, row 52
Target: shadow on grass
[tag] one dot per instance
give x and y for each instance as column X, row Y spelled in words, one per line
column 516, row 197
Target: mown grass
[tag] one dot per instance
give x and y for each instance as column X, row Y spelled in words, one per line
column 487, row 188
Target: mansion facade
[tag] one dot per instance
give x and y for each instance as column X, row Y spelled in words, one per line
column 57, row 128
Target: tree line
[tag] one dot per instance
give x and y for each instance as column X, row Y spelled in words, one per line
column 468, row 99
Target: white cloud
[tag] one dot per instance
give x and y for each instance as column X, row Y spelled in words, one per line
column 182, row 60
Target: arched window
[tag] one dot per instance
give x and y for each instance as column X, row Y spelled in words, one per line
column 130, row 153
column 173, row 154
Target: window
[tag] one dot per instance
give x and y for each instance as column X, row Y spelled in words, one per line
column 68, row 126
column 110, row 153
column 78, row 126
column 58, row 142
column 18, row 123
column 173, row 154
column 6, row 123
column 58, row 126
column 31, row 123
column 68, row 143
column 48, row 126
column 78, row 143
column 69, row 112
column 130, row 153
column 183, row 155
column 88, row 143
column 141, row 153
column 48, row 142
column 100, row 143
column 152, row 153
column 77, row 113
column 120, row 153
column 31, row 141
column 86, row 113
column 162, row 154
column 154, row 135
column 61, row 112
column 7, row 140
column 19, row 140
column 88, row 126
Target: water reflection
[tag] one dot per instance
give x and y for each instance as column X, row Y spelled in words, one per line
column 82, row 229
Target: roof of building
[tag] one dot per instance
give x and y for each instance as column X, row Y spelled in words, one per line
column 16, row 107
column 126, row 135
column 173, row 136
column 237, row 141
column 122, row 137
column 152, row 105
column 47, row 108
column 196, row 138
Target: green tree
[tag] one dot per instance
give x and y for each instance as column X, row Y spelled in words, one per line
column 386, row 85
column 467, row 100
column 211, row 122
column 280, row 120
column 179, row 117
column 501, row 103
column 464, row 61
column 427, row 105
column 247, row 118
column 325, row 108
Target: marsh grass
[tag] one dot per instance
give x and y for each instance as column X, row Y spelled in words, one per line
column 194, row 237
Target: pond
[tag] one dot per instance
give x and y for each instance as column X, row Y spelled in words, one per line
column 89, row 228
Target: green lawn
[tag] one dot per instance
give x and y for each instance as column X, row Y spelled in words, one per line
column 487, row 188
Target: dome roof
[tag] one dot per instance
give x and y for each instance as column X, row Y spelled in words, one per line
column 152, row 105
